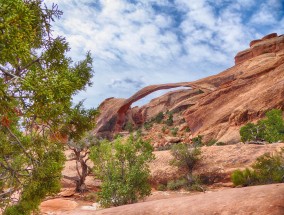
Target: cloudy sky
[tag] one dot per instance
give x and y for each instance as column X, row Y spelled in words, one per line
column 136, row 43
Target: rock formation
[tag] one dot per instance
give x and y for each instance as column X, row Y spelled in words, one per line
column 216, row 106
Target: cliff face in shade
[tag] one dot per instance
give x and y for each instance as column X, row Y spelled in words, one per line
column 216, row 106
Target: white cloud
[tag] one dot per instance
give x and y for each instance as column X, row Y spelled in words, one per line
column 151, row 42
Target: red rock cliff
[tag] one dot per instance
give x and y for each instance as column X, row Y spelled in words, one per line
column 228, row 100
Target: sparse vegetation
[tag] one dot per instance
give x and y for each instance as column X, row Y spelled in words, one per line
column 162, row 187
column 129, row 127
column 268, row 169
column 174, row 131
column 187, row 157
column 148, row 125
column 270, row 129
column 211, row 142
column 123, row 168
column 169, row 121
column 159, row 118
column 197, row 141
column 177, row 184
column 187, row 129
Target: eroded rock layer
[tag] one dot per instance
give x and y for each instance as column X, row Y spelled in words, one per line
column 216, row 106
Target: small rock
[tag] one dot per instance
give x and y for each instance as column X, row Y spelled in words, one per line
column 67, row 193
column 172, row 139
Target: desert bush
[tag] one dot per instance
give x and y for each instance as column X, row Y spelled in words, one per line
column 162, row 187
column 268, row 169
column 197, row 140
column 246, row 177
column 270, row 129
column 186, row 157
column 148, row 125
column 123, row 168
column 177, row 184
column 169, row 121
column 211, row 142
column 182, row 183
column 174, row 131
column 128, row 127
column 187, row 129
column 159, row 118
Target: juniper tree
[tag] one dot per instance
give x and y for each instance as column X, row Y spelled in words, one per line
column 37, row 82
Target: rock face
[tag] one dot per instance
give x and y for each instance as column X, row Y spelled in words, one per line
column 258, row 200
column 216, row 106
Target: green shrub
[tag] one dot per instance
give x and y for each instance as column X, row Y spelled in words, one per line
column 197, row 141
column 159, row 118
column 270, row 129
column 268, row 169
column 176, row 184
column 169, row 121
column 211, row 142
column 164, row 129
column 123, row 169
column 128, row 127
column 185, row 156
column 174, row 131
column 193, row 185
column 246, row 177
column 187, row 129
column 148, row 125
column 162, row 187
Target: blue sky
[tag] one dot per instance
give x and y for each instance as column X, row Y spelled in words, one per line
column 136, row 43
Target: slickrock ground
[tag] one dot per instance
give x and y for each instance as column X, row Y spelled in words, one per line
column 258, row 200
column 255, row 200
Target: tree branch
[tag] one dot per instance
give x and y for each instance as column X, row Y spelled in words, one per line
column 8, row 73
column 20, row 144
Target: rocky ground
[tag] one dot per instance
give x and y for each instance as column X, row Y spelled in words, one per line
column 219, row 198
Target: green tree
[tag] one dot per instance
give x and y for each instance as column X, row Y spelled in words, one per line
column 37, row 83
column 270, row 129
column 186, row 157
column 123, row 168
column 76, row 127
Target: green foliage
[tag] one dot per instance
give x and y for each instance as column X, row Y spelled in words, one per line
column 187, row 129
column 270, row 129
column 246, row 177
column 148, row 125
column 162, row 187
column 164, row 129
column 268, row 168
column 211, row 142
column 169, row 121
column 174, row 131
column 177, row 184
column 129, row 127
column 182, row 183
column 159, row 118
column 185, row 156
column 37, row 83
column 123, row 169
column 197, row 141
